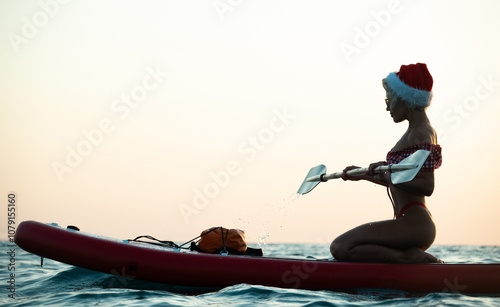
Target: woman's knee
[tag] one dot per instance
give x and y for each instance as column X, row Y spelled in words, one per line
column 338, row 249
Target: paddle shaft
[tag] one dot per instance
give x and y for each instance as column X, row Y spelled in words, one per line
column 361, row 171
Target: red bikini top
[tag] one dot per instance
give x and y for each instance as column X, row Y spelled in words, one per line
column 434, row 160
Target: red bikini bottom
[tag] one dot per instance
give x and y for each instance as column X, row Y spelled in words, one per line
column 409, row 205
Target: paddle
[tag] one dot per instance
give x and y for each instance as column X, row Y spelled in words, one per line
column 404, row 171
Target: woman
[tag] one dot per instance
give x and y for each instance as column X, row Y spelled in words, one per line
column 404, row 239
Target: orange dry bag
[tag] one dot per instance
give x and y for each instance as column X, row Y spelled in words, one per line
column 218, row 239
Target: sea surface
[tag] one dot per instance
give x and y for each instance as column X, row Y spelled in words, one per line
column 58, row 284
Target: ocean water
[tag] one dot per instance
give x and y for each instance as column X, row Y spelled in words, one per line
column 58, row 284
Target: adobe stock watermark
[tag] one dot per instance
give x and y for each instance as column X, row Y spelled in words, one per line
column 222, row 7
column 121, row 277
column 249, row 149
column 363, row 36
column 456, row 115
column 12, row 209
column 30, row 28
column 298, row 273
column 454, row 287
column 94, row 137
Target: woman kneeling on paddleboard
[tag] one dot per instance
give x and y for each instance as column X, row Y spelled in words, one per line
column 404, row 239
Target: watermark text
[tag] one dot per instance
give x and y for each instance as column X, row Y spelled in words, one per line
column 462, row 110
column 249, row 149
column 11, row 246
column 94, row 137
column 30, row 28
column 363, row 35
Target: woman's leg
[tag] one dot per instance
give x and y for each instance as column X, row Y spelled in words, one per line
column 396, row 241
column 378, row 253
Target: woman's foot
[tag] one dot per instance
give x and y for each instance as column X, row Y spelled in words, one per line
column 417, row 255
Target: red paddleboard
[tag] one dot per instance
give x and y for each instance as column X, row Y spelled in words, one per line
column 192, row 269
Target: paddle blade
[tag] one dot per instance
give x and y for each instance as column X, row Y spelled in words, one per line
column 306, row 186
column 417, row 158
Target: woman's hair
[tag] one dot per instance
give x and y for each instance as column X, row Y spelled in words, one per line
column 393, row 96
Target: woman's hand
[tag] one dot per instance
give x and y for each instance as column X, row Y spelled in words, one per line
column 380, row 178
column 373, row 166
column 352, row 178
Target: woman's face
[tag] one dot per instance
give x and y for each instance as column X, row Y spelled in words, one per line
column 397, row 109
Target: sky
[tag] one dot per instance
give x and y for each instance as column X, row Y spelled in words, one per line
column 165, row 118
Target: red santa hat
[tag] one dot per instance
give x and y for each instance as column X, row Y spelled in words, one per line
column 412, row 83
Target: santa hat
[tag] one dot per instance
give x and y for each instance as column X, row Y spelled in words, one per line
column 413, row 84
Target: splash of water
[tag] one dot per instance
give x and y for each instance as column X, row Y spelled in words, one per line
column 276, row 213
column 263, row 239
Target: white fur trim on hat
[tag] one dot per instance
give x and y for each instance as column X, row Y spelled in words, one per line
column 412, row 95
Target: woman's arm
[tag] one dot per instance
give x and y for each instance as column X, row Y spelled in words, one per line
column 381, row 179
column 422, row 184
